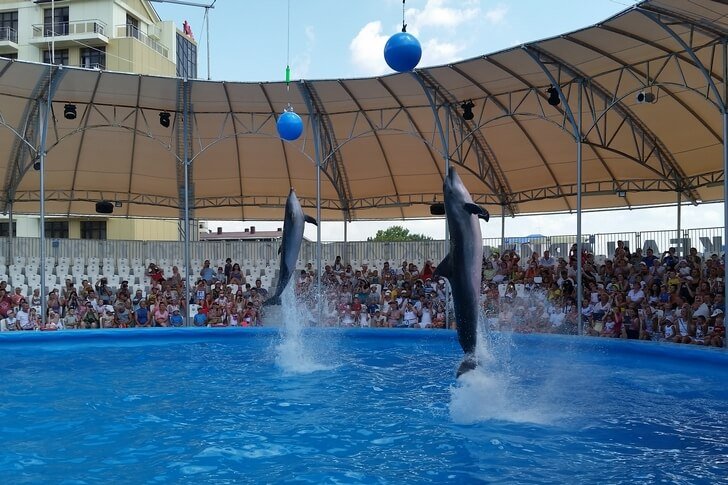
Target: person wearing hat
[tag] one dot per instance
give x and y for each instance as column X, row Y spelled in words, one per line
column 716, row 329
column 107, row 317
column 176, row 319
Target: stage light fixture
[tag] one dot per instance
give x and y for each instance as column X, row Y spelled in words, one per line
column 69, row 111
column 36, row 165
column 643, row 97
column 467, row 107
column 622, row 193
column 554, row 99
column 164, row 119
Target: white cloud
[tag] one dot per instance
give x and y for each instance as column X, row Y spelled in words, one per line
column 497, row 14
column 367, row 49
column 301, row 62
column 437, row 14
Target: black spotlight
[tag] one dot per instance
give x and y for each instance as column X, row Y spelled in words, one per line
column 69, row 111
column 164, row 119
column 104, row 207
column 36, row 165
column 467, row 107
column 437, row 209
column 554, row 99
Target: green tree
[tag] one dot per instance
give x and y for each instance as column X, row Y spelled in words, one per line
column 398, row 233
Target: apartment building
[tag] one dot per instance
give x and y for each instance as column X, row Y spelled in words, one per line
column 113, row 35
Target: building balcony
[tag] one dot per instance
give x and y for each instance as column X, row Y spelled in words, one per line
column 91, row 31
column 129, row 31
column 8, row 39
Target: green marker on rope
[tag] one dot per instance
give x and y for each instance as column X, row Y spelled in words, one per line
column 288, row 74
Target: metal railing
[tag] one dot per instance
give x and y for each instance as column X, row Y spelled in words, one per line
column 8, row 33
column 72, row 27
column 92, row 65
column 130, row 31
column 706, row 240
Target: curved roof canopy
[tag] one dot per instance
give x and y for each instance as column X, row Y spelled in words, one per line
column 381, row 149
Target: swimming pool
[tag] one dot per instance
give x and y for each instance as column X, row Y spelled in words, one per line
column 359, row 406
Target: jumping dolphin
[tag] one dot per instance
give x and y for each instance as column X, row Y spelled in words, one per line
column 293, row 224
column 463, row 264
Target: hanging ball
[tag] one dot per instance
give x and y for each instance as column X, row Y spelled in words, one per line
column 290, row 125
column 402, row 52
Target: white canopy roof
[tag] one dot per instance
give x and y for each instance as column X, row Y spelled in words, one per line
column 381, row 151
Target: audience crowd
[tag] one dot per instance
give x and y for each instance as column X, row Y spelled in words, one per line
column 626, row 295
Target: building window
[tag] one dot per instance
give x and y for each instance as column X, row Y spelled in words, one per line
column 93, row 57
column 132, row 26
column 5, row 229
column 61, row 57
column 186, row 57
column 11, row 55
column 56, row 229
column 9, row 26
column 55, row 22
column 93, row 229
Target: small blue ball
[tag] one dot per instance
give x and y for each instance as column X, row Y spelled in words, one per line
column 402, row 52
column 290, row 125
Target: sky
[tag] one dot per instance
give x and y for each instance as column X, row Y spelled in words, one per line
column 345, row 39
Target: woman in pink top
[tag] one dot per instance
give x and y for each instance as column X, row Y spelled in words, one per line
column 161, row 316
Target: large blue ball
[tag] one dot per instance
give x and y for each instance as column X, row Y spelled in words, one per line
column 290, row 126
column 402, row 52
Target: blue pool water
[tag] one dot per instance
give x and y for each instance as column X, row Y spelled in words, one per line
column 357, row 406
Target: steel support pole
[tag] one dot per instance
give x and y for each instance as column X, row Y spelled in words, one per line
column 186, row 167
column 725, row 180
column 579, row 161
column 317, row 156
column 207, row 41
column 503, row 229
column 43, row 109
column 446, row 154
column 11, row 235
column 679, row 248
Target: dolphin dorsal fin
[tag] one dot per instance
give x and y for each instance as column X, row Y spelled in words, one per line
column 444, row 268
column 310, row 220
column 477, row 210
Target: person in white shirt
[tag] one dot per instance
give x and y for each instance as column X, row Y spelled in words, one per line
column 602, row 307
column 636, row 295
column 23, row 317
column 547, row 260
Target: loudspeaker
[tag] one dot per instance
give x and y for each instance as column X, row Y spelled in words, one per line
column 437, row 209
column 104, row 207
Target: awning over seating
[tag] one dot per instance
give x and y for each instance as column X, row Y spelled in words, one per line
column 381, row 149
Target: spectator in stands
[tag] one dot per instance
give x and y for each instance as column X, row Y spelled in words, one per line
column 207, row 273
column 141, row 315
column 90, row 317
column 263, row 292
column 236, row 276
column 200, row 318
column 161, row 316
column 155, row 273
column 6, row 304
column 23, row 316
column 547, row 261
column 10, row 322
column 176, row 320
column 649, row 258
column 229, row 269
column 716, row 329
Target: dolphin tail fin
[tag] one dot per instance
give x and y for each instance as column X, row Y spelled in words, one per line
column 273, row 300
column 478, row 211
column 466, row 365
column 444, row 268
column 310, row 220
